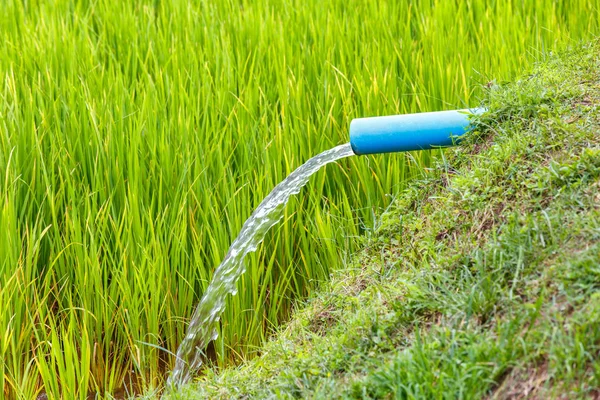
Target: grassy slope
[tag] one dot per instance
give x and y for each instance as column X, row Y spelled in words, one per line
column 484, row 278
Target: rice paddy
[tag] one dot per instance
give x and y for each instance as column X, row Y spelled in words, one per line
column 137, row 137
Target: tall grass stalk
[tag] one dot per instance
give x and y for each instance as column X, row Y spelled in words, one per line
column 136, row 138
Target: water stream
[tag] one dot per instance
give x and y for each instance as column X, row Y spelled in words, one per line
column 202, row 326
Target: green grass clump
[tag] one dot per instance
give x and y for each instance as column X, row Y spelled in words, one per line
column 136, row 138
column 483, row 280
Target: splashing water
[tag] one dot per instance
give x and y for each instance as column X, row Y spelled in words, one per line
column 201, row 329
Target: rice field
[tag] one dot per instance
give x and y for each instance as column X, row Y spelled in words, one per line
column 137, row 137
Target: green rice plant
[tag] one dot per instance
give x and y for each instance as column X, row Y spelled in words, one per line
column 136, row 138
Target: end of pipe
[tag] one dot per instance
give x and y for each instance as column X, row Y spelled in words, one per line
column 355, row 148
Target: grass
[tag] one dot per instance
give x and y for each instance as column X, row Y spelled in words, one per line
column 483, row 280
column 136, row 138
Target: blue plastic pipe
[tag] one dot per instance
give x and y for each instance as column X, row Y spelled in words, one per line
column 410, row 131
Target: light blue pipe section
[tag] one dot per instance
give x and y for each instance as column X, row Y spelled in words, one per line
column 409, row 131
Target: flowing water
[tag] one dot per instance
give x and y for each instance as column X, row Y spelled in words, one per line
column 202, row 327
